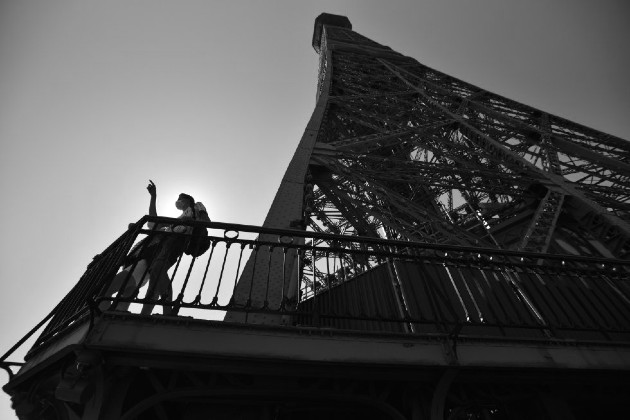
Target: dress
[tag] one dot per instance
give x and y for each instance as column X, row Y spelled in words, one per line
column 170, row 247
column 149, row 261
column 159, row 246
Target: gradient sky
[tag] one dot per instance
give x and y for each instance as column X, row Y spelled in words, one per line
column 211, row 98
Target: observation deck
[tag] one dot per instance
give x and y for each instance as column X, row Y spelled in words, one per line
column 394, row 309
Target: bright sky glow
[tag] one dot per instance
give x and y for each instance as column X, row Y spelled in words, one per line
column 211, row 98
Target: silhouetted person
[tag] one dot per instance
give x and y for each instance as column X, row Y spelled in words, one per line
column 171, row 247
column 153, row 259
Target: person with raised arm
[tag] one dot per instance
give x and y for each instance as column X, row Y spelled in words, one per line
column 151, row 258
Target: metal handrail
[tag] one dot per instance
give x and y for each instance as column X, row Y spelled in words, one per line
column 424, row 287
column 390, row 242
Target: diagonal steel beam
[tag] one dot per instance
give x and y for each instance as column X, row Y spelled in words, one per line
column 501, row 153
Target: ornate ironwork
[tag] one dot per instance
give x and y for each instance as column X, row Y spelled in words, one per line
column 416, row 206
column 368, row 284
column 406, row 152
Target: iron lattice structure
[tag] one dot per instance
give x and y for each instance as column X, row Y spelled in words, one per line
column 429, row 276
column 399, row 151
column 406, row 152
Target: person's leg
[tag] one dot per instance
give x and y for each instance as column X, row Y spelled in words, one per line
column 140, row 277
column 166, row 291
column 159, row 288
column 114, row 287
column 132, row 281
column 147, row 308
column 159, row 282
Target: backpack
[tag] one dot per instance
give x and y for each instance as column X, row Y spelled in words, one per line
column 199, row 241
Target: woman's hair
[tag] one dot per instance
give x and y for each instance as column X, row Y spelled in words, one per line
column 188, row 198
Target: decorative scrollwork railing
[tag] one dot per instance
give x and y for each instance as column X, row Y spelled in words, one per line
column 365, row 284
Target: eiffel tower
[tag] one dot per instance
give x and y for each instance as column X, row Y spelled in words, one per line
column 399, row 151
column 434, row 251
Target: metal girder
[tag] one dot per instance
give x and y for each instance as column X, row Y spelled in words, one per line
column 403, row 214
column 587, row 144
column 543, row 224
column 345, row 204
column 615, row 226
column 415, row 154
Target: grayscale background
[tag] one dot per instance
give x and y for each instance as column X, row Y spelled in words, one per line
column 211, row 97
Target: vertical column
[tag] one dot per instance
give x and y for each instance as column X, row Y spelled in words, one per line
column 261, row 281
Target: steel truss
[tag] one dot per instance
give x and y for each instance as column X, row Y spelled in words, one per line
column 427, row 287
column 409, row 153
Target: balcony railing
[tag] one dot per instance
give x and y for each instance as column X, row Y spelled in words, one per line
column 319, row 280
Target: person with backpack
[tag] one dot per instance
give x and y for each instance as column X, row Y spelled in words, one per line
column 153, row 259
column 164, row 254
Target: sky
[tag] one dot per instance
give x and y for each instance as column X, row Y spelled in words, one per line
column 211, row 98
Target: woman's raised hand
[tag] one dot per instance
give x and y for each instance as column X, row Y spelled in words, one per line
column 151, row 188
